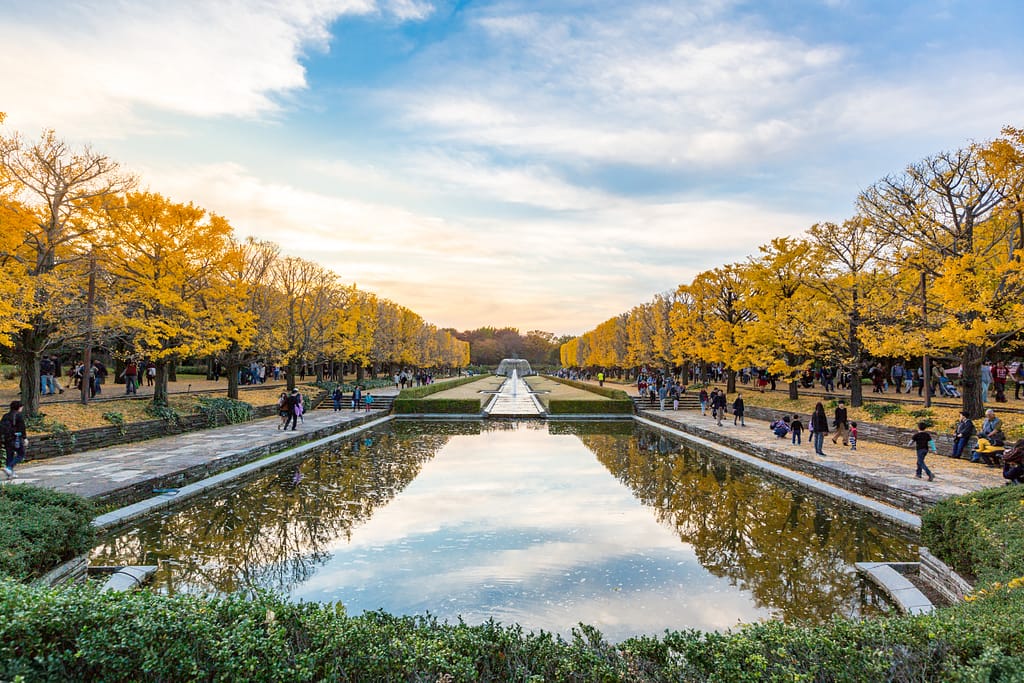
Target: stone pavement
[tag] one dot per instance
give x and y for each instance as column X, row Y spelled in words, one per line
column 880, row 467
column 121, row 474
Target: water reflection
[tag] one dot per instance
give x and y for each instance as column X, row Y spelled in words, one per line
column 518, row 521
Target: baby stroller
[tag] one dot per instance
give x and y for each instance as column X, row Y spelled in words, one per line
column 947, row 388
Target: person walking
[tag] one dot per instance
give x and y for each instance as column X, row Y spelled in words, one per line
column 131, row 378
column 896, row 373
column 283, row 410
column 14, row 437
column 337, row 395
column 841, row 423
column 923, row 441
column 737, row 411
column 662, row 395
column 703, row 397
column 819, row 427
column 798, row 429
column 293, row 403
column 986, row 381
column 719, row 406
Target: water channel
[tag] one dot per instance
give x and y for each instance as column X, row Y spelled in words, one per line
column 543, row 524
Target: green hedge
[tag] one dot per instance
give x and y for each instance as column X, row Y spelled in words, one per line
column 40, row 528
column 80, row 634
column 607, row 392
column 427, row 406
column 427, row 390
column 980, row 534
column 570, row 406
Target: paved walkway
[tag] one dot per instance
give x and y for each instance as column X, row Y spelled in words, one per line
column 128, row 471
column 514, row 400
column 886, row 465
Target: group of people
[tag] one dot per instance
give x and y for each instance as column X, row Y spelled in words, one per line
column 990, row 446
column 338, row 398
column 818, row 424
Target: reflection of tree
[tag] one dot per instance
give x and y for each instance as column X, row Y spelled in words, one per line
column 271, row 532
column 789, row 549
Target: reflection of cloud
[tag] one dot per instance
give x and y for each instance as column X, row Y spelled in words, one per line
column 547, row 539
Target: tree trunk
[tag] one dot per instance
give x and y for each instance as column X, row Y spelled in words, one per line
column 856, row 388
column 970, row 374
column 291, row 374
column 172, row 371
column 232, row 369
column 794, row 386
column 160, row 384
column 28, row 363
column 730, row 382
column 360, row 372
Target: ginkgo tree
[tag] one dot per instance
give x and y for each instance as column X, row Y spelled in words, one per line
column 53, row 196
column 171, row 298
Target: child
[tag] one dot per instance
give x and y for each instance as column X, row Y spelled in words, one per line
column 369, row 402
column 798, row 427
column 853, row 436
column 923, row 441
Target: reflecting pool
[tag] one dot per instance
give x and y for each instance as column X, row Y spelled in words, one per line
column 544, row 524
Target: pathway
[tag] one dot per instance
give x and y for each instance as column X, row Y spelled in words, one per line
column 514, row 400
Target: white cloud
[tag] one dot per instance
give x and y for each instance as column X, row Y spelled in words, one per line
column 93, row 68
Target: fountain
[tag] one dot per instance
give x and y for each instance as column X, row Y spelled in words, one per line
column 511, row 402
column 508, row 365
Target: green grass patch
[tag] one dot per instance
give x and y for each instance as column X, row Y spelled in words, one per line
column 224, row 410
column 427, row 390
column 40, row 528
column 607, row 392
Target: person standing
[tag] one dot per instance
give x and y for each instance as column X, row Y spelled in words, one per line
column 703, row 396
column 986, row 380
column 337, row 395
column 962, row 434
column 718, row 404
column 600, row 380
column 131, row 378
column 1020, row 380
column 737, row 411
column 841, row 424
column 45, row 376
column 819, row 427
column 923, row 441
column 14, row 436
column 662, row 395
column 897, row 375
column 798, row 429
column 853, row 436
column 357, row 397
column 1000, row 373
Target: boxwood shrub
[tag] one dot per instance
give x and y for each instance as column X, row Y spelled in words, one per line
column 437, row 406
column 569, row 406
column 40, row 529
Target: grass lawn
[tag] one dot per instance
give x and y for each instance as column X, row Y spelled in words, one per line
column 559, row 391
column 471, row 389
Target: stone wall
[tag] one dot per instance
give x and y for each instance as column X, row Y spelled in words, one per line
column 875, row 489
column 942, row 578
column 43, row 446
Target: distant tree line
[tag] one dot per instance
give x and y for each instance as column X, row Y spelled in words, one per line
column 489, row 345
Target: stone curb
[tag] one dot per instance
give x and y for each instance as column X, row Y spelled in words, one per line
column 893, row 514
column 133, row 511
column 907, row 597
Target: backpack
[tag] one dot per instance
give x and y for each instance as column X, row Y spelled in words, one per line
column 7, row 428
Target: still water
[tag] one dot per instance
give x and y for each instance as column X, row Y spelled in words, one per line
column 544, row 524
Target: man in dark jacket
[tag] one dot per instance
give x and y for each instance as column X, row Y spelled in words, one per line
column 962, row 436
column 841, row 424
column 13, row 435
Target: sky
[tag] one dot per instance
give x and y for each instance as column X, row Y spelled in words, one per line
column 541, row 165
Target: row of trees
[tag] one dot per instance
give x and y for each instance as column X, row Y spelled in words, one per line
column 89, row 260
column 929, row 266
column 489, row 345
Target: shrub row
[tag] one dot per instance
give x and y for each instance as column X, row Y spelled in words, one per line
column 571, row 406
column 40, row 529
column 981, row 534
column 437, row 406
column 80, row 634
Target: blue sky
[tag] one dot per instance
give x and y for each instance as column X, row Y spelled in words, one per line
column 542, row 165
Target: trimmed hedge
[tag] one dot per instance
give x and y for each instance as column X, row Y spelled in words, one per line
column 570, row 406
column 428, row 406
column 980, row 534
column 40, row 529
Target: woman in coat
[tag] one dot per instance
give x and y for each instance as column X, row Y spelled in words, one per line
column 819, row 427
